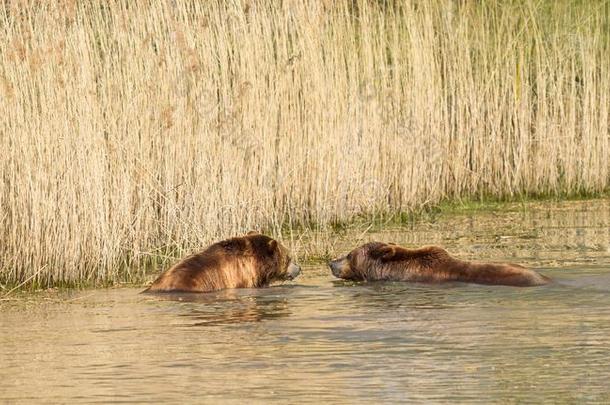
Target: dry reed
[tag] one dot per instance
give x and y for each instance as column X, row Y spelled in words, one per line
column 132, row 130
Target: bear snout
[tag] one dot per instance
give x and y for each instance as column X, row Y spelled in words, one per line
column 293, row 271
column 335, row 268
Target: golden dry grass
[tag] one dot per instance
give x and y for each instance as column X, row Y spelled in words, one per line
column 132, row 129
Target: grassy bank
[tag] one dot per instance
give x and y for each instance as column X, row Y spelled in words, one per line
column 134, row 131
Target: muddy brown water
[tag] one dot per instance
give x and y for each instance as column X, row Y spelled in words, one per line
column 322, row 340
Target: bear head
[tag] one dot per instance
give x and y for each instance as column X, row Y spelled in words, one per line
column 273, row 258
column 357, row 263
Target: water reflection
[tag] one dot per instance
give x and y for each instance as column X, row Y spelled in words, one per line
column 393, row 295
column 230, row 306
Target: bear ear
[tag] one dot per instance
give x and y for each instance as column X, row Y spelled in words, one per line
column 384, row 253
column 272, row 245
column 253, row 233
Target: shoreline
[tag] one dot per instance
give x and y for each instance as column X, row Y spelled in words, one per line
column 314, row 250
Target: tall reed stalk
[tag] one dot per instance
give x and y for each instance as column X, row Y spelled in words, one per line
column 130, row 129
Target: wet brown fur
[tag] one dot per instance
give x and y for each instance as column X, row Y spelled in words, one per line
column 250, row 261
column 429, row 264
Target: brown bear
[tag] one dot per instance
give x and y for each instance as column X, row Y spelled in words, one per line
column 250, row 261
column 429, row 264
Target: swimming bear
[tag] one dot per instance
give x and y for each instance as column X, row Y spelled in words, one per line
column 429, row 264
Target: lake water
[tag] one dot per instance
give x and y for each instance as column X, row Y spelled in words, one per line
column 323, row 340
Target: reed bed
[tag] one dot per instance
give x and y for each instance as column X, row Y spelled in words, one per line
column 135, row 131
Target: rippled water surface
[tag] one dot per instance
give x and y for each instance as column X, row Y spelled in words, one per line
column 318, row 339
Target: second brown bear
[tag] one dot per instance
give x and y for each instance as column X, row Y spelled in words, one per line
column 430, row 264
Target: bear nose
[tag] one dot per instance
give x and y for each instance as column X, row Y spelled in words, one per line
column 333, row 268
column 293, row 271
